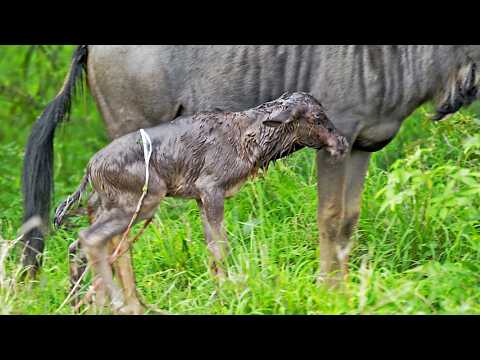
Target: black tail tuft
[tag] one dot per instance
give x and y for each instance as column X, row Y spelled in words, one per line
column 37, row 184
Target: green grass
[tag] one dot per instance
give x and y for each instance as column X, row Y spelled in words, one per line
column 417, row 246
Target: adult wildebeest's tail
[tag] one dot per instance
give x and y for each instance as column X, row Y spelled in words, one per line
column 37, row 184
column 65, row 206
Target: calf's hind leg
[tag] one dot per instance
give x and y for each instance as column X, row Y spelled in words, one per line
column 94, row 241
column 77, row 257
column 123, row 269
column 77, row 267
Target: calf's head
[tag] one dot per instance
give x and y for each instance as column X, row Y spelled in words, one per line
column 301, row 119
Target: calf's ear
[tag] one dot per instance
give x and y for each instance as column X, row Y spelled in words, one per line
column 277, row 118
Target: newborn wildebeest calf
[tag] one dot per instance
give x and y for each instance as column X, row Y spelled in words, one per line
column 207, row 157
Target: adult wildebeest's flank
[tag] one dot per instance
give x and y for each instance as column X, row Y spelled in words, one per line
column 206, row 157
column 368, row 90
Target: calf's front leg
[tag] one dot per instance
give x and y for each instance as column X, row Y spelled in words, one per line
column 212, row 212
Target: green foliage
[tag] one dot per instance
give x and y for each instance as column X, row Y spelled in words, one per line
column 417, row 247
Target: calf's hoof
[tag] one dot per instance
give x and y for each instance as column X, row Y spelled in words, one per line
column 131, row 309
column 139, row 309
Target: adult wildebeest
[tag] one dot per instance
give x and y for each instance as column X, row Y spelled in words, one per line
column 368, row 90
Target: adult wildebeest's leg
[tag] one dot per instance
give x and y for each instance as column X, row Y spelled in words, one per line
column 357, row 167
column 331, row 187
column 212, row 212
column 339, row 191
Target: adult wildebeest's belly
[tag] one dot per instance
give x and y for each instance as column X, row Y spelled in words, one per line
column 130, row 87
column 375, row 137
column 140, row 86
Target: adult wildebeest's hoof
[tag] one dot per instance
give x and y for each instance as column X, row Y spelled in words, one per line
column 332, row 280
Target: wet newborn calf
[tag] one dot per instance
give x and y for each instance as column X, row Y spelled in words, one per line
column 207, row 157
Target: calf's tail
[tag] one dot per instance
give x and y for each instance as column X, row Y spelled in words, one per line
column 65, row 206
